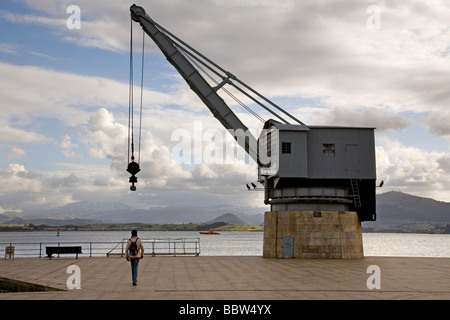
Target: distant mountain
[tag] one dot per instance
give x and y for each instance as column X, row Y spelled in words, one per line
column 402, row 206
column 229, row 218
column 402, row 212
column 158, row 215
column 92, row 212
column 79, row 209
column 8, row 215
column 178, row 215
column 50, row 222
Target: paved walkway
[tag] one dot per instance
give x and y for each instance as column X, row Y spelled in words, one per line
column 232, row 278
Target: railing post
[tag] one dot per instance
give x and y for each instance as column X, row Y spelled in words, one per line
column 90, row 249
column 40, row 249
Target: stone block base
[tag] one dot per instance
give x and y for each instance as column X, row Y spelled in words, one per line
column 313, row 234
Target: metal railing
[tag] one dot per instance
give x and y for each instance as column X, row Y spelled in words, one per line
column 175, row 247
column 168, row 246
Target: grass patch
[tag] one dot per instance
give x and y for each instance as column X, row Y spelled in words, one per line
column 11, row 285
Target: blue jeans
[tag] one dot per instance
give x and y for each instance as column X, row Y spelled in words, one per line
column 134, row 269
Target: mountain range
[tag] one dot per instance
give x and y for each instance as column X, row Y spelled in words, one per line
column 400, row 212
column 396, row 211
column 89, row 213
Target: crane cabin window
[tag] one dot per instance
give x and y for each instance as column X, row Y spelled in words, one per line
column 269, row 144
column 286, row 147
column 328, row 149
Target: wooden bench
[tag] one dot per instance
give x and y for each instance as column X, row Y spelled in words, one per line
column 62, row 250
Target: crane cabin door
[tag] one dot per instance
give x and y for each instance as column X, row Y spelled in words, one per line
column 353, row 157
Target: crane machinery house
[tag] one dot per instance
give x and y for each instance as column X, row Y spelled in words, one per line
column 320, row 168
column 320, row 181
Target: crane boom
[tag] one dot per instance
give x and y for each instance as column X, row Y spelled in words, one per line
column 171, row 47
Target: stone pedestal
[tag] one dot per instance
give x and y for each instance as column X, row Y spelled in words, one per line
column 315, row 234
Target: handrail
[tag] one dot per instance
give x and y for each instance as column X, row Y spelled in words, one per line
column 166, row 246
column 110, row 251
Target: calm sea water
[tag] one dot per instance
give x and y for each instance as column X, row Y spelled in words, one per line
column 97, row 243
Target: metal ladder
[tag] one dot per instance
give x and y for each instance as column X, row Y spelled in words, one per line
column 355, row 191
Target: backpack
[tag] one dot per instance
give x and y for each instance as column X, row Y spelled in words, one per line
column 133, row 249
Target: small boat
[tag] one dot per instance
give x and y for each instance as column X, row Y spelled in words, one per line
column 211, row 231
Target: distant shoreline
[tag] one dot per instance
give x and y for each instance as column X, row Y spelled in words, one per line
column 421, row 228
column 219, row 226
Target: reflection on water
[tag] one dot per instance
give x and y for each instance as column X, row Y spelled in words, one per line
column 406, row 244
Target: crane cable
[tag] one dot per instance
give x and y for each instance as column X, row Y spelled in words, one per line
column 188, row 56
column 142, row 93
column 130, row 101
column 133, row 167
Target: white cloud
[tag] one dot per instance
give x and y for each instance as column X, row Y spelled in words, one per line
column 160, row 174
column 369, row 117
column 439, row 124
column 108, row 136
column 9, row 48
column 109, row 32
column 16, row 153
column 10, row 134
column 306, row 49
column 59, row 182
column 16, row 180
column 412, row 170
column 110, row 141
column 23, row 189
column 67, row 147
column 42, row 55
column 31, row 92
column 28, row 18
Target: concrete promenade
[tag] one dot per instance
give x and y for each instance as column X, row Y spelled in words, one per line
column 231, row 278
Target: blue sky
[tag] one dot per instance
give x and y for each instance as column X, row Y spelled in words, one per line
column 64, row 94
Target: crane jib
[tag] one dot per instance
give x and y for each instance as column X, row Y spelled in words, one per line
column 195, row 80
column 178, row 53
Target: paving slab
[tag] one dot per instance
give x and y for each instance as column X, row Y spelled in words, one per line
column 232, row 278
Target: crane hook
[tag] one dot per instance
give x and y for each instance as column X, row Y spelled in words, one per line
column 133, row 169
